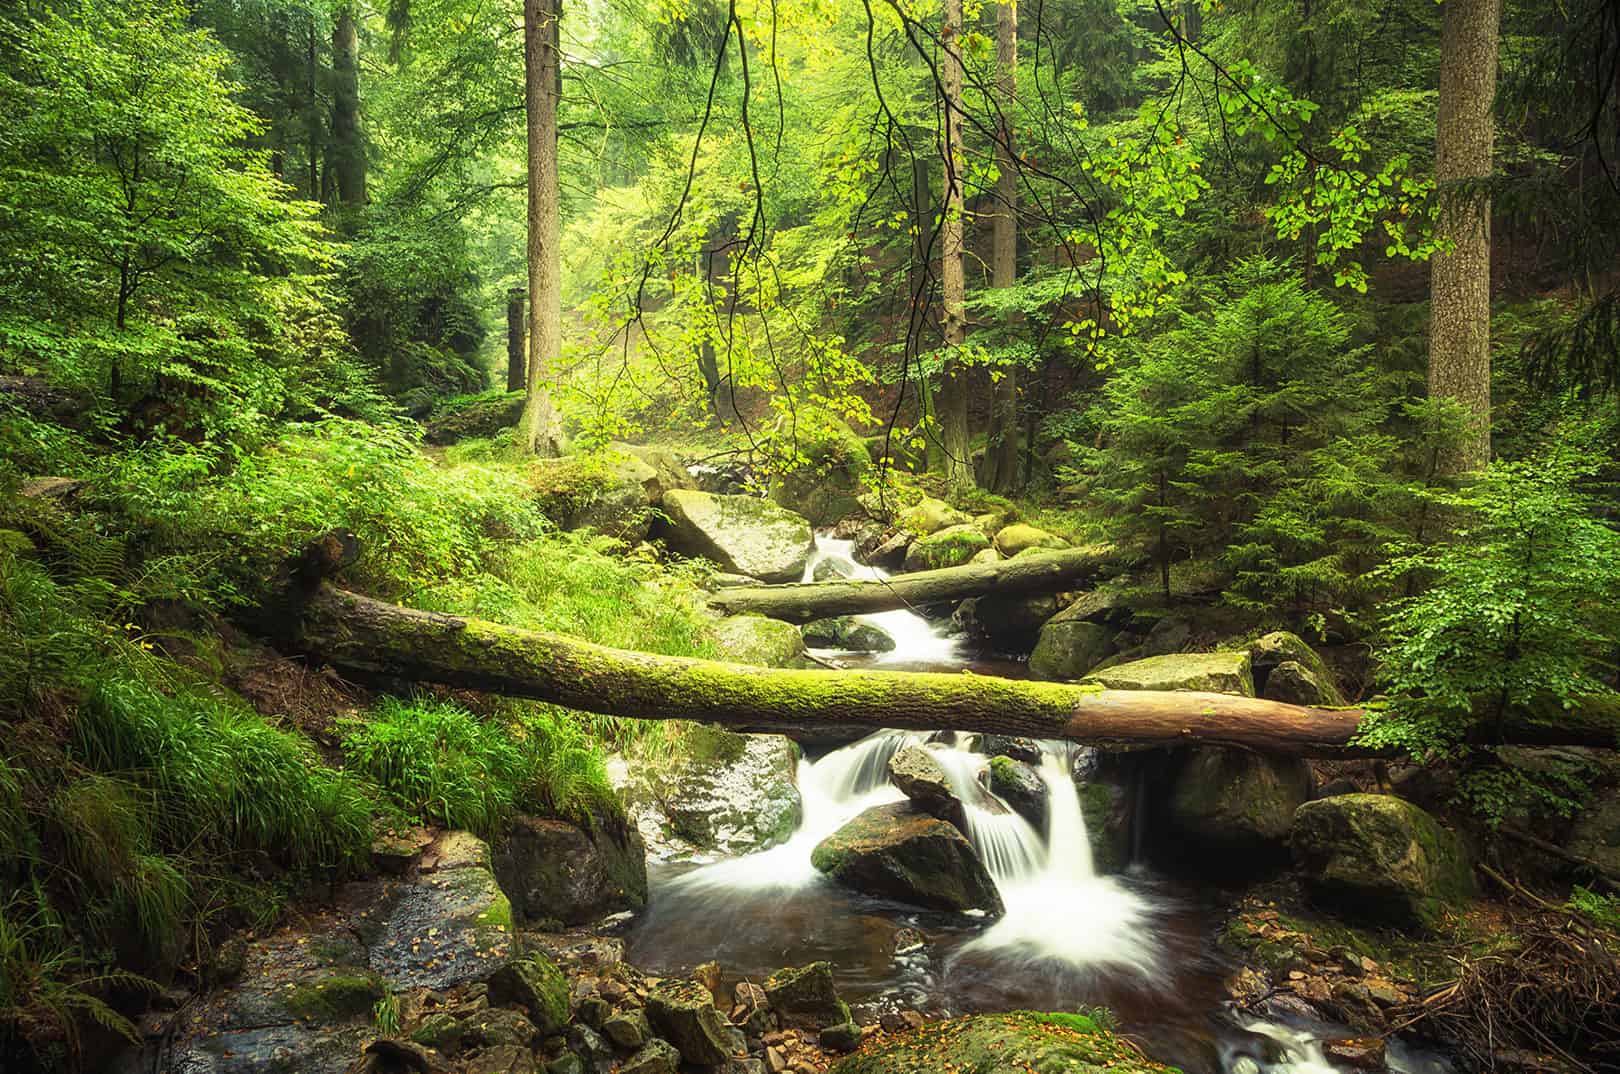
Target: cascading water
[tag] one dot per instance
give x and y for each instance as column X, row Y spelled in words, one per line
column 915, row 640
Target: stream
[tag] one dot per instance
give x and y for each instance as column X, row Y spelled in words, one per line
column 1138, row 944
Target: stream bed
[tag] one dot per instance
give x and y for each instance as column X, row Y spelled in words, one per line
column 1138, row 944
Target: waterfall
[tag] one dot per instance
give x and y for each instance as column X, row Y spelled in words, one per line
column 915, row 641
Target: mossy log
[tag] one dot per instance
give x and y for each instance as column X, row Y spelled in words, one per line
column 1042, row 572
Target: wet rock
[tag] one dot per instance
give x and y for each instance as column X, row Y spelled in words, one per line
column 440, row 1031
column 1270, row 652
column 1360, row 1053
column 1019, row 749
column 588, row 1044
column 1223, row 673
column 1069, row 647
column 1021, row 787
column 627, row 1031
column 554, row 870
column 1014, row 623
column 950, row 547
column 537, row 986
column 502, row 1059
column 930, row 516
column 728, row 793
column 1231, row 803
column 917, row 772
column 900, row 852
column 750, row 536
column 754, row 639
column 683, row 1013
column 1376, row 857
column 497, row 1027
column 1017, row 1043
column 1291, row 682
column 844, row 1037
column 805, row 997
column 889, row 553
column 1011, row 540
column 847, row 632
column 655, row 1057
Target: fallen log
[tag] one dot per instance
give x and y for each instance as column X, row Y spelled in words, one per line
column 362, row 634
column 802, row 602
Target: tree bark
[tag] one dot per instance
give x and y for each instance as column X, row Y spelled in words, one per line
column 540, row 429
column 1460, row 280
column 348, row 140
column 365, row 635
column 516, row 372
column 951, row 394
column 1003, row 440
column 1045, row 572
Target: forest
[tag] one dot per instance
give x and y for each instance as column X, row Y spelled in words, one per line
column 809, row 536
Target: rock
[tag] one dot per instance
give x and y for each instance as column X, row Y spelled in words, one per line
column 1293, row 683
column 1222, row 673
column 754, row 639
column 847, row 632
column 1379, row 858
column 1595, row 835
column 611, row 491
column 1108, row 603
column 1359, row 1053
column 440, row 1031
column 729, row 793
column 502, row 1059
column 1018, row 748
column 930, row 516
column 1017, row 1043
column 684, row 1014
column 1021, row 787
column 986, row 555
column 917, row 772
column 588, row 1044
column 1014, row 623
column 828, row 486
column 536, row 985
column 483, row 415
column 843, row 1037
column 451, row 925
column 1011, row 540
column 627, row 1031
column 496, row 1027
column 655, row 1057
column 669, row 472
column 1170, row 634
column 1107, row 806
column 593, row 1011
column 555, row 870
column 888, row 553
column 740, row 533
column 1231, row 803
column 1068, row 648
column 566, row 1063
column 1271, row 651
column 707, row 974
column 804, row 997
column 899, row 852
column 949, row 547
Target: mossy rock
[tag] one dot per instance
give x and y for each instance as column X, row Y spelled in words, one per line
column 848, row 633
column 1221, row 673
column 1021, row 537
column 1376, row 857
column 1021, row 787
column 535, row 984
column 1106, row 807
column 474, row 416
column 804, row 997
column 1271, row 651
column 1068, row 649
column 610, row 491
column 335, row 997
column 1017, row 1043
column 740, row 533
column 929, row 516
column 1234, row 803
column 900, row 852
column 827, row 487
column 950, row 547
column 754, row 639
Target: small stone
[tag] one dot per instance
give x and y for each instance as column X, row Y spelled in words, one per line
column 774, row 1061
column 805, row 998
column 588, row 1044
column 844, row 1037
column 593, row 1011
column 535, row 984
column 1361, row 1053
column 655, row 1057
column 708, row 975
column 1384, row 993
column 439, row 1031
column 566, row 1063
column 907, row 940
column 627, row 1031
column 498, row 1027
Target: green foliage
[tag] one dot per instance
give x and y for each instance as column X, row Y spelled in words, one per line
column 1520, row 606
column 439, row 762
column 1602, row 909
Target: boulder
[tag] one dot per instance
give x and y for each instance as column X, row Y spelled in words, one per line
column 930, row 516
column 847, row 632
column 1295, row 684
column 1021, row 787
column 1234, row 804
column 828, row 485
column 1068, row 648
column 1018, row 1043
column 986, row 555
column 1014, row 622
column 482, row 415
column 654, row 1057
column 1106, row 805
column 804, row 997
column 918, row 774
column 1011, row 540
column 1379, row 858
column 669, row 472
column 1270, row 652
column 1595, row 835
column 900, row 852
column 1019, row 749
column 535, row 985
column 742, row 534
column 627, row 1031
column 754, row 639
column 1222, row 673
column 950, row 547
column 731, row 793
column 556, row 871
column 611, row 491
column 888, row 554
column 683, row 1013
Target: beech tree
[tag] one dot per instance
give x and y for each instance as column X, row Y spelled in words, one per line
column 540, row 431
column 1002, row 468
column 951, row 396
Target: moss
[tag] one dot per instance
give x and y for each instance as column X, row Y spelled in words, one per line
column 1021, row 1042
column 497, row 916
column 334, row 997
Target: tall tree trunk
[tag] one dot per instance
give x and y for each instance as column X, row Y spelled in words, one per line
column 348, row 140
column 516, row 378
column 1003, row 441
column 312, row 115
column 951, row 394
column 1460, row 281
column 540, row 430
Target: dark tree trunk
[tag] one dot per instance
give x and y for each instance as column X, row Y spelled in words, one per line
column 516, row 380
column 348, row 140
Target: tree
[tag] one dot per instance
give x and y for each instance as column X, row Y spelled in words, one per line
column 1460, row 279
column 348, row 141
column 1003, row 444
column 540, row 430
column 951, row 396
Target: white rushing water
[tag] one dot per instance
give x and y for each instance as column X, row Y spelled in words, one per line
column 915, row 640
